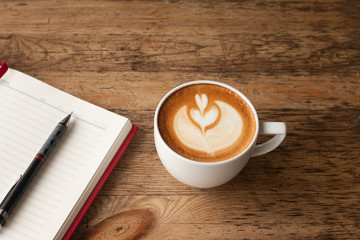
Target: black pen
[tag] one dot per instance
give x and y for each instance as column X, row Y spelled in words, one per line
column 14, row 194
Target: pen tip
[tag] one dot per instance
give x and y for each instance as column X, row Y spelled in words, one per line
column 65, row 121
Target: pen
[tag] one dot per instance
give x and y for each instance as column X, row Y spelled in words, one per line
column 14, row 194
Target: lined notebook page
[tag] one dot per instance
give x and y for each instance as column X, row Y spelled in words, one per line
column 29, row 111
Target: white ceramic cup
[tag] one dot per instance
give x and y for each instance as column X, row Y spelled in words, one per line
column 212, row 174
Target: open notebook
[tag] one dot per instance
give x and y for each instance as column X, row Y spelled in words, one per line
column 29, row 111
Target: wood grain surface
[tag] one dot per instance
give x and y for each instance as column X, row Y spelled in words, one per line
column 297, row 61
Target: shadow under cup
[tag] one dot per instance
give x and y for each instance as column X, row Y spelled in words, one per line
column 206, row 173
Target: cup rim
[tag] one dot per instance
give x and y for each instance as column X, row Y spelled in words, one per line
column 252, row 143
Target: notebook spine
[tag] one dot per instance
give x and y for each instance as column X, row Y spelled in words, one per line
column 3, row 68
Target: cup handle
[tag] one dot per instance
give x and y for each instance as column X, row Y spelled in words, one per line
column 269, row 128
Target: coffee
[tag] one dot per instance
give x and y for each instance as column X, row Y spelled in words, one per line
column 206, row 122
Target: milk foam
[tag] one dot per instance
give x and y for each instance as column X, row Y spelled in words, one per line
column 214, row 129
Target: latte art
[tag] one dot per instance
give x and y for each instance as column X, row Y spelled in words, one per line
column 209, row 128
column 206, row 122
column 199, row 116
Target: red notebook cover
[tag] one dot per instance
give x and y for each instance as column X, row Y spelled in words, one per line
column 3, row 68
column 101, row 182
column 85, row 207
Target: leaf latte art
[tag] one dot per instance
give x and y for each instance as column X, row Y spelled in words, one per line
column 208, row 128
column 206, row 123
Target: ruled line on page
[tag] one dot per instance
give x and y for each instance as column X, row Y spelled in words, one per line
column 52, row 106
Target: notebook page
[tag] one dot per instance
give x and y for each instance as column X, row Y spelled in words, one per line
column 29, row 111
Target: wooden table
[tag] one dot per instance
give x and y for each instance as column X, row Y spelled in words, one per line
column 297, row 61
